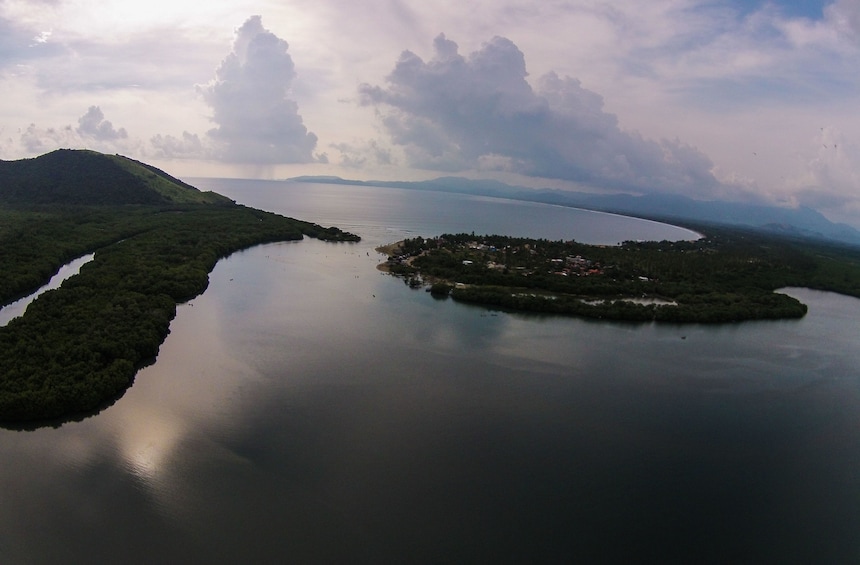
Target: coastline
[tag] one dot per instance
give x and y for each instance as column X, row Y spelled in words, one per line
column 389, row 251
column 636, row 281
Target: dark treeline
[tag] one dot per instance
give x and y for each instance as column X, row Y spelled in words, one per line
column 727, row 276
column 80, row 345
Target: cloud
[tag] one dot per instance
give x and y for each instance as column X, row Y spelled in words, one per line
column 138, row 62
column 455, row 113
column 94, row 125
column 36, row 140
column 93, row 132
column 21, row 44
column 362, row 154
column 185, row 147
column 844, row 15
column 257, row 121
column 833, row 174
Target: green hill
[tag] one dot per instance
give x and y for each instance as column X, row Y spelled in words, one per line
column 155, row 239
column 83, row 177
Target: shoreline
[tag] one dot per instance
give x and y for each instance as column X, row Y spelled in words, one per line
column 389, row 251
column 618, row 289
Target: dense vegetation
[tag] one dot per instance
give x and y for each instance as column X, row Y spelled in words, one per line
column 82, row 177
column 728, row 276
column 81, row 344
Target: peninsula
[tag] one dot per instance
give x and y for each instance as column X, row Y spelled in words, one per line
column 729, row 275
column 155, row 238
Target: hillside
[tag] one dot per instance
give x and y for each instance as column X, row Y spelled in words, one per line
column 82, row 177
column 155, row 238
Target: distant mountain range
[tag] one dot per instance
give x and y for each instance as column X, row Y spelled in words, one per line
column 797, row 222
column 82, row 177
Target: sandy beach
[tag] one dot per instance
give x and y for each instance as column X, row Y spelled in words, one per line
column 389, row 251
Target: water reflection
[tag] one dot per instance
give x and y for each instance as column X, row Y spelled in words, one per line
column 308, row 408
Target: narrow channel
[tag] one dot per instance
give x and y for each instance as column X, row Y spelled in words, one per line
column 17, row 308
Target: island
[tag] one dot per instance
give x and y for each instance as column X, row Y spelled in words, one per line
column 155, row 238
column 728, row 275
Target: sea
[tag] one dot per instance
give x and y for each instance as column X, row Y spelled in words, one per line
column 308, row 408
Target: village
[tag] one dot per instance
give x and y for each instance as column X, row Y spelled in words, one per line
column 708, row 280
column 495, row 253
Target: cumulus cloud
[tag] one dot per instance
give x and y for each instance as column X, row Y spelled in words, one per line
column 257, row 121
column 93, row 132
column 455, row 113
column 172, row 147
column 94, row 125
column 36, row 140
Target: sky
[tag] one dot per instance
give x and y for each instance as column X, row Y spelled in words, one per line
column 743, row 100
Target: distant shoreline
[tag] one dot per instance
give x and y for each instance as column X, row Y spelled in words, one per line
column 671, row 209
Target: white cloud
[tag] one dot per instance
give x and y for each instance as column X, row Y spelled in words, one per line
column 189, row 146
column 833, row 178
column 93, row 132
column 37, row 140
column 20, row 43
column 844, row 16
column 841, row 23
column 94, row 125
column 257, row 121
column 741, row 88
column 455, row 113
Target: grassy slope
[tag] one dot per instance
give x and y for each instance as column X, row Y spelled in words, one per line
column 167, row 186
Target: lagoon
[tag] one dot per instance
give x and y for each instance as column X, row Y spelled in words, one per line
column 307, row 408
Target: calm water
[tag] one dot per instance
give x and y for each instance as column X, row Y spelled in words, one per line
column 380, row 213
column 309, row 409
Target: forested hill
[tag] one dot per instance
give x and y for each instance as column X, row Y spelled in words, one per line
column 83, row 177
column 155, row 238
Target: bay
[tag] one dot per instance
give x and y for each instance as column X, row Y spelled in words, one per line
column 307, row 408
column 380, row 212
